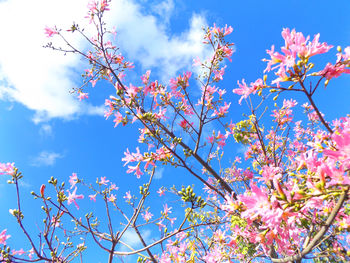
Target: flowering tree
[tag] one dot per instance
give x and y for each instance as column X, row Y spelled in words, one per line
column 287, row 201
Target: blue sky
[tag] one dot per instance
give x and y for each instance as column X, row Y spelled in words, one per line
column 47, row 132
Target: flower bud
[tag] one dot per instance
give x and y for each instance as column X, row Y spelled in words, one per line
column 42, row 189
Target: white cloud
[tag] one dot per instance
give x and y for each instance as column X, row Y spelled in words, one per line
column 41, row 79
column 159, row 173
column 164, row 9
column 132, row 239
column 38, row 78
column 45, row 130
column 146, row 41
column 46, row 158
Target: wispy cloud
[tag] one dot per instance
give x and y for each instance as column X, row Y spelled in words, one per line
column 147, row 41
column 45, row 130
column 46, row 158
column 159, row 173
column 41, row 79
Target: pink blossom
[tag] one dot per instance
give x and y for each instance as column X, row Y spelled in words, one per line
column 50, row 31
column 147, row 216
column 161, row 191
column 341, row 152
column 111, row 198
column 127, row 196
column 7, row 168
column 218, row 74
column 270, row 172
column 160, row 225
column 221, row 31
column 145, row 78
column 73, row 179
column 132, row 157
column 184, row 124
column 135, row 169
column 73, row 196
column 333, row 71
column 93, row 197
column 118, row 118
column 4, row 237
column 103, row 181
column 222, row 110
column 246, row 90
column 18, row 252
column 166, row 211
column 83, row 95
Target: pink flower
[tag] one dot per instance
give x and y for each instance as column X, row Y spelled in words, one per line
column 50, row 31
column 73, row 196
column 333, row 71
column 135, row 169
column 73, row 180
column 111, row 198
column 221, row 31
column 341, row 151
column 18, row 252
column 7, row 168
column 167, row 210
column 93, row 197
column 222, row 110
column 161, row 191
column 132, row 157
column 103, row 181
column 245, row 91
column 82, row 96
column 147, row 216
column 127, row 196
column 4, row 237
column 145, row 78
column 218, row 74
column 184, row 124
column 118, row 118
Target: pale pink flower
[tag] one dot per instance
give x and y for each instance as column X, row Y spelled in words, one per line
column 50, row 31
column 7, row 168
column 73, row 196
column 93, row 197
column 18, row 252
column 127, row 196
column 73, row 179
column 111, row 198
column 222, row 110
column 167, row 210
column 118, row 118
column 4, row 237
column 246, row 90
column 103, row 181
column 83, row 95
column 161, row 191
column 147, row 216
